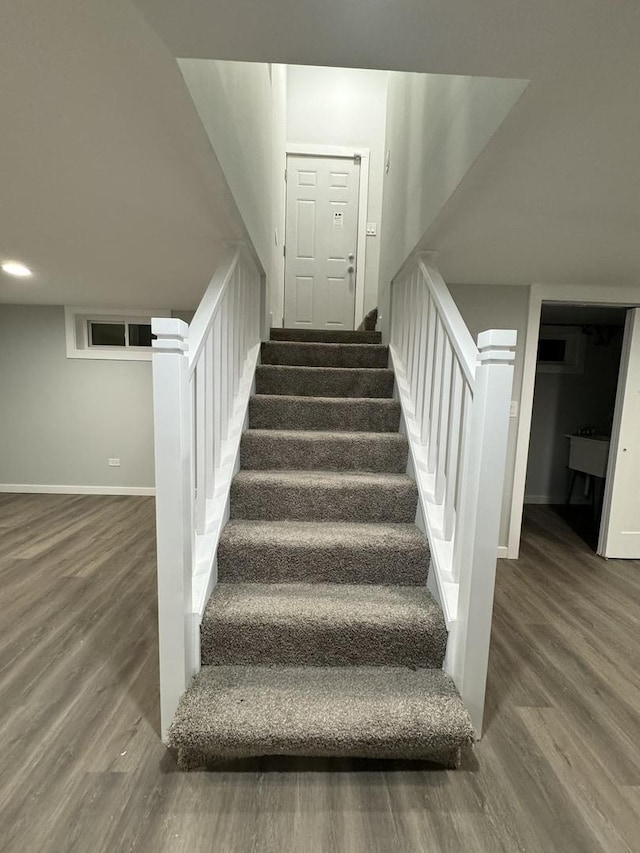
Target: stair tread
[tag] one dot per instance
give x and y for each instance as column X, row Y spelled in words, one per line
column 322, row 624
column 312, row 370
column 386, row 402
column 382, row 712
column 327, row 604
column 331, row 354
column 351, row 436
column 320, row 551
column 313, row 479
column 324, row 533
column 324, row 335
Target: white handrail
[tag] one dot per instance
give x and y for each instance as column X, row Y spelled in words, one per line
column 202, row 380
column 455, row 400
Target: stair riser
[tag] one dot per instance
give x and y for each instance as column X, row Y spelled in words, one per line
column 324, row 382
column 325, row 336
column 324, row 503
column 267, row 412
column 324, row 355
column 387, row 455
column 272, row 563
column 226, row 642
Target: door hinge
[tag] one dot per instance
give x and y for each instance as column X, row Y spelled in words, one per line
column 285, row 176
column 284, row 251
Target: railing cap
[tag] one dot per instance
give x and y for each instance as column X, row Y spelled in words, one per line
column 171, row 333
column 497, row 345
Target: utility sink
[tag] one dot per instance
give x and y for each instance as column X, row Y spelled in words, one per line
column 589, row 454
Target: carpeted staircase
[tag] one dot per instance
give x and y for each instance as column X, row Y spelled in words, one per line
column 321, row 637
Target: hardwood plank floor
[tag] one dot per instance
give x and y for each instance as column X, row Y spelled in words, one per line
column 83, row 768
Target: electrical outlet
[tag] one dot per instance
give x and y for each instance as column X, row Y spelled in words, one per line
column 372, row 229
column 114, row 463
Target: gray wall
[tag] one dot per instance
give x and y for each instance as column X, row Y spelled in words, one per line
column 62, row 419
column 562, row 404
column 483, row 307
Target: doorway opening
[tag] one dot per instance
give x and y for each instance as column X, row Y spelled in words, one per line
column 576, row 385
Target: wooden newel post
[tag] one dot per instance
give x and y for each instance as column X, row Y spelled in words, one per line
column 173, row 434
column 478, row 532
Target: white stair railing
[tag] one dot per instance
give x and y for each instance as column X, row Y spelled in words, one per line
column 455, row 399
column 202, row 381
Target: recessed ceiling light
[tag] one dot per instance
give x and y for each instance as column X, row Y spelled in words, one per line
column 17, row 269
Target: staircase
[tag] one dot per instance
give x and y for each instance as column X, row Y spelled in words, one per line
column 320, row 637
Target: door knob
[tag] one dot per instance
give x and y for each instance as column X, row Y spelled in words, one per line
column 351, row 268
column 351, row 256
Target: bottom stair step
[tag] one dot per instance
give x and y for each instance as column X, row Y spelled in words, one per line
column 366, row 712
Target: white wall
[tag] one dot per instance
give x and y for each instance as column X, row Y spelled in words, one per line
column 62, row 419
column 562, row 404
column 279, row 143
column 484, row 307
column 344, row 107
column 436, row 128
column 234, row 102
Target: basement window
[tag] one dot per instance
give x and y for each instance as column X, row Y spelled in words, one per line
column 561, row 349
column 109, row 334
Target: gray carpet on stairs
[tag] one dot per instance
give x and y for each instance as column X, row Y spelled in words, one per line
column 320, row 637
column 324, row 451
column 322, row 552
column 275, row 411
column 324, row 355
column 324, row 496
column 365, row 712
column 326, row 336
column 322, row 625
column 324, row 381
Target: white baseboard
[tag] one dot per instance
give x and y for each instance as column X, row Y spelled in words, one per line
column 544, row 499
column 503, row 552
column 36, row 489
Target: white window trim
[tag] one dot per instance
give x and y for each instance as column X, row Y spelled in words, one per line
column 575, row 345
column 75, row 316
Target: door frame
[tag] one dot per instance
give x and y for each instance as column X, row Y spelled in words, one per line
column 587, row 294
column 305, row 149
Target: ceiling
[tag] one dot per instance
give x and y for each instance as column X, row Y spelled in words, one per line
column 556, row 194
column 109, row 189
column 493, row 38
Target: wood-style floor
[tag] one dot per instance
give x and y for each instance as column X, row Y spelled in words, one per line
column 82, row 767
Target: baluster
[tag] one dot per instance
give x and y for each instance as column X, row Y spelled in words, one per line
column 218, row 394
column 403, row 321
column 423, row 309
column 224, row 365
column 436, row 384
column 201, row 443
column 454, row 442
column 446, row 384
column 231, row 332
column 430, row 358
column 418, row 342
column 209, row 439
column 412, row 330
column 394, row 315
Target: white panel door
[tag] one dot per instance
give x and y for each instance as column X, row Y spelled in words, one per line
column 620, row 528
column 321, row 242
